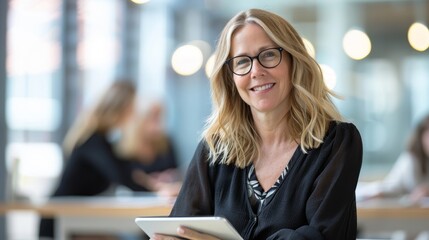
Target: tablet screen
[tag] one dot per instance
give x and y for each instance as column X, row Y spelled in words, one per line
column 216, row 226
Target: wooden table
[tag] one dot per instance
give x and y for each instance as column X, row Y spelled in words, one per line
column 95, row 214
column 390, row 215
column 117, row 214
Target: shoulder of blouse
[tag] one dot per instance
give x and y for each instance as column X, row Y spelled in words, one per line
column 341, row 129
column 95, row 139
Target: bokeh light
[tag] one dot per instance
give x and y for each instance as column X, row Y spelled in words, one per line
column 329, row 76
column 140, row 1
column 187, row 60
column 210, row 65
column 356, row 44
column 418, row 36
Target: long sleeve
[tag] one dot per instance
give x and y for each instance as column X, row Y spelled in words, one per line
column 316, row 199
column 195, row 197
column 100, row 154
column 402, row 178
column 331, row 207
column 92, row 168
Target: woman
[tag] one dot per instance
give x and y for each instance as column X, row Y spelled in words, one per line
column 409, row 176
column 148, row 143
column 92, row 165
column 275, row 160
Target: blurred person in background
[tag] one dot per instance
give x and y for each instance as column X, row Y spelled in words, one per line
column 92, row 166
column 409, row 176
column 148, row 144
column 408, row 179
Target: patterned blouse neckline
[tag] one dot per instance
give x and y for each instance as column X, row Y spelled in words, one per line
column 257, row 194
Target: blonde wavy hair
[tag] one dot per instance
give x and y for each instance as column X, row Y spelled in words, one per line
column 230, row 132
column 106, row 114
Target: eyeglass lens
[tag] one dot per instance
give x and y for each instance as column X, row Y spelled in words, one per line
column 268, row 58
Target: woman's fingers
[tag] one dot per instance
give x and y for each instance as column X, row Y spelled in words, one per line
column 185, row 233
column 194, row 235
column 163, row 237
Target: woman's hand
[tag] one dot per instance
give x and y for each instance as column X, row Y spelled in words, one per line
column 156, row 183
column 419, row 193
column 185, row 233
column 168, row 189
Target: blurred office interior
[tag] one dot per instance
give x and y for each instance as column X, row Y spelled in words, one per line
column 57, row 55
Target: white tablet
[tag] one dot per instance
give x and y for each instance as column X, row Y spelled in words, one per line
column 216, row 226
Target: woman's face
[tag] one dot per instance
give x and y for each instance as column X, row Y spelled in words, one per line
column 425, row 141
column 152, row 126
column 263, row 89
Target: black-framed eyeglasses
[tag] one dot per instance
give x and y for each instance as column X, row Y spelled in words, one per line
column 268, row 58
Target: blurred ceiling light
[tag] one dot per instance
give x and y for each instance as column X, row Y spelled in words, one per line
column 329, row 76
column 309, row 47
column 210, row 65
column 140, row 1
column 356, row 44
column 203, row 46
column 187, row 60
column 418, row 36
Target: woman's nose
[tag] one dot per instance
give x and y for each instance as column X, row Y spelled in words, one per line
column 257, row 68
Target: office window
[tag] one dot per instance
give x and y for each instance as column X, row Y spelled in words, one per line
column 32, row 100
column 99, row 29
column 53, row 73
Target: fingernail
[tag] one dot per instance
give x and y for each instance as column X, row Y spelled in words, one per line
column 180, row 230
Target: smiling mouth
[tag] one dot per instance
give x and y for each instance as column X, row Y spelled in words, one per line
column 263, row 87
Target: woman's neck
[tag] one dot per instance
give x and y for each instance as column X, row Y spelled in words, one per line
column 272, row 129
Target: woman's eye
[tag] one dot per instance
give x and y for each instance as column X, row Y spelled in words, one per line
column 241, row 62
column 268, row 54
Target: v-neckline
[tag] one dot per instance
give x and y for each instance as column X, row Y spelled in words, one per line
column 290, row 165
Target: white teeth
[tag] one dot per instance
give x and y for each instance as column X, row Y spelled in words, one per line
column 264, row 87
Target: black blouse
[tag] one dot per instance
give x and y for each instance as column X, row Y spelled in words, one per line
column 316, row 199
column 92, row 167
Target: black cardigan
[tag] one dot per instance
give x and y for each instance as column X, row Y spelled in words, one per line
column 92, row 167
column 316, row 200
